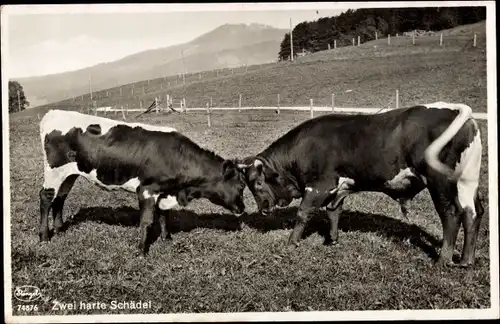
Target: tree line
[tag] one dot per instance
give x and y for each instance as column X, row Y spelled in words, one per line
column 17, row 98
column 316, row 35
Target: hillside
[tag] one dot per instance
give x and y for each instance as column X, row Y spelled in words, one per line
column 225, row 46
column 364, row 76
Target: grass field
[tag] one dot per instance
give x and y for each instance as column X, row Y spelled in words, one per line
column 217, row 263
column 213, row 263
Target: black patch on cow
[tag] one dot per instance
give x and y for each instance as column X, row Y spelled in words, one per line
column 370, row 149
column 170, row 160
column 94, row 129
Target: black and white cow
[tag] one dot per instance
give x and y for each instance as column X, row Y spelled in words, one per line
column 399, row 153
column 162, row 166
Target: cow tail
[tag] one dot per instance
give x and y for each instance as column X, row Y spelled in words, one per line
column 431, row 154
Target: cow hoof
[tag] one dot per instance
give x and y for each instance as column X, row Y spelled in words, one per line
column 165, row 238
column 44, row 237
column 330, row 242
column 444, row 263
column 465, row 264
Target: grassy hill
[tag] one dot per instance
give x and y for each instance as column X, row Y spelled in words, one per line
column 360, row 76
column 225, row 46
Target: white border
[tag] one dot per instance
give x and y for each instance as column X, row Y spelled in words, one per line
column 293, row 316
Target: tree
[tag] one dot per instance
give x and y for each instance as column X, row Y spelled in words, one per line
column 17, row 99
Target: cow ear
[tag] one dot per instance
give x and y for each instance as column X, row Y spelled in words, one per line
column 182, row 198
column 227, row 164
column 245, row 163
column 228, row 169
column 258, row 165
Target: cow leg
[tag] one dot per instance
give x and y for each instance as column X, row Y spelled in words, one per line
column 471, row 220
column 165, row 234
column 58, row 203
column 404, row 205
column 313, row 199
column 54, row 179
column 165, row 204
column 333, row 213
column 147, row 205
column 450, row 219
column 46, row 198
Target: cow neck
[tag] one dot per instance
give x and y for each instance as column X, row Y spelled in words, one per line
column 283, row 167
column 209, row 167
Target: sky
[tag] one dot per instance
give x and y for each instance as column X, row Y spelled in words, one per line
column 52, row 39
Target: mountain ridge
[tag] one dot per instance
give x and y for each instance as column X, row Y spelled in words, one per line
column 226, row 46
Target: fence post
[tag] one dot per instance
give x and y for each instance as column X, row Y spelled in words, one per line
column 359, row 38
column 397, row 35
column 184, row 102
column 278, row 103
column 413, row 39
column 311, row 107
column 328, row 46
column 397, row 98
column 333, row 101
column 353, row 43
column 474, row 44
column 239, row 104
column 376, row 35
column 388, row 39
column 208, row 116
column 95, row 107
column 156, row 105
column 121, row 91
column 126, row 108
column 441, row 39
column 334, row 44
column 210, row 102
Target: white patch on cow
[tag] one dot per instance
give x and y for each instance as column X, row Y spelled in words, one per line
column 309, row 189
column 444, row 105
column 146, row 194
column 64, row 121
column 257, row 162
column 432, row 152
column 131, row 185
column 167, row 203
column 54, row 177
column 469, row 165
column 344, row 184
column 401, row 180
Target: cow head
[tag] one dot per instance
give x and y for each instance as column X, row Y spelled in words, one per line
column 227, row 191
column 266, row 185
column 224, row 189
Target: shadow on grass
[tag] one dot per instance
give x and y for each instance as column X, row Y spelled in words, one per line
column 350, row 221
column 177, row 220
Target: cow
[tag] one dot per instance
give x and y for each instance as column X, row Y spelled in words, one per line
column 161, row 165
column 399, row 153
